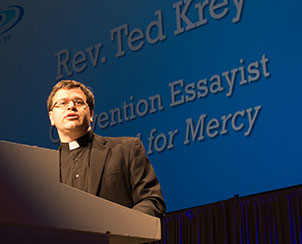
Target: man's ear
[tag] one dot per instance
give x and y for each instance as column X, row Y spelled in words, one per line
column 50, row 118
column 91, row 115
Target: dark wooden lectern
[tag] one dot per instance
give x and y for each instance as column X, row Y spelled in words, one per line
column 36, row 207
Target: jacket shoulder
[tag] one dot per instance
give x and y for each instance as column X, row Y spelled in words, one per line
column 115, row 141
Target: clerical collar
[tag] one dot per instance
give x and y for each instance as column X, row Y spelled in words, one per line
column 73, row 145
column 80, row 142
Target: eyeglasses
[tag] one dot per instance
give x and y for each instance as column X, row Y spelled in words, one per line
column 63, row 103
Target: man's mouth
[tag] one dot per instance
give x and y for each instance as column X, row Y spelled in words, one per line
column 72, row 116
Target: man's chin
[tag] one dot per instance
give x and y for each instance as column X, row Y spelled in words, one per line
column 75, row 127
column 71, row 127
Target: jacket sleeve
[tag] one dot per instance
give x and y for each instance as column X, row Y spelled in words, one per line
column 146, row 190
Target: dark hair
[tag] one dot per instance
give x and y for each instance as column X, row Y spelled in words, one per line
column 70, row 84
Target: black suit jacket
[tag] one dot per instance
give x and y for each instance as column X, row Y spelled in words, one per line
column 121, row 172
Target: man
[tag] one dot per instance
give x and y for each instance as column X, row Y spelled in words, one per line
column 116, row 169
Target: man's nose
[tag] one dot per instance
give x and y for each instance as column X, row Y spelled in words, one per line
column 71, row 105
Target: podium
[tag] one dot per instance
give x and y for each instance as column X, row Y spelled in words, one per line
column 36, row 207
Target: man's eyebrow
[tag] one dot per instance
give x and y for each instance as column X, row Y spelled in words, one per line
column 67, row 98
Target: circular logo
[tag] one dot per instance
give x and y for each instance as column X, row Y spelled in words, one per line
column 9, row 17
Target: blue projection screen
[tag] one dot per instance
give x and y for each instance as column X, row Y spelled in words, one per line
column 211, row 87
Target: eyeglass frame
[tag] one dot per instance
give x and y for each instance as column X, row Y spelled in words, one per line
column 85, row 104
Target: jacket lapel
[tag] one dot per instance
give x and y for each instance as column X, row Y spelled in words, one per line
column 98, row 157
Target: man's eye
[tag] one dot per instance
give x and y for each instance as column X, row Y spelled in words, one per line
column 79, row 102
column 61, row 103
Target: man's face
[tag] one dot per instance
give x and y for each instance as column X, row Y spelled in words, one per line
column 71, row 119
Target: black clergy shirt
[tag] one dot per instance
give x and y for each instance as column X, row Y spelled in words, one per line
column 74, row 162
